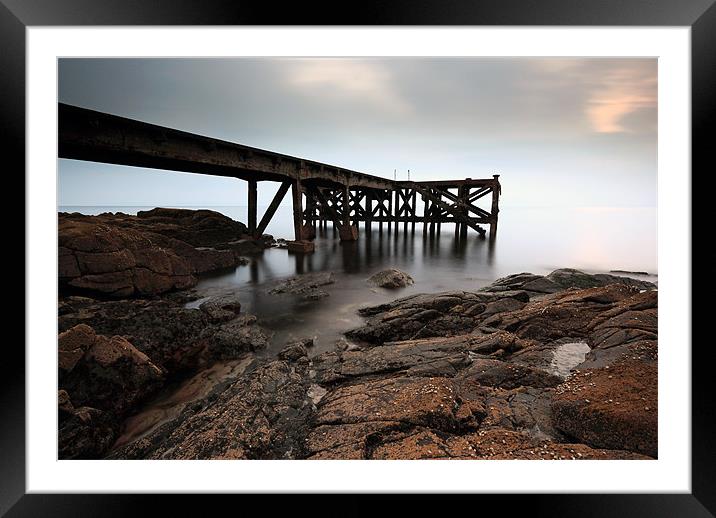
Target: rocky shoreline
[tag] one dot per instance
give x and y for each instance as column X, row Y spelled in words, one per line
column 494, row 373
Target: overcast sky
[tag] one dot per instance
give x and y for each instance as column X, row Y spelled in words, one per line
column 560, row 132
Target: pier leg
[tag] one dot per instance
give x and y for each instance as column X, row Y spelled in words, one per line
column 439, row 215
column 397, row 210
column 297, row 208
column 368, row 211
column 464, row 191
column 426, row 213
column 457, row 223
column 252, row 208
column 495, row 209
column 406, row 208
column 390, row 210
column 347, row 232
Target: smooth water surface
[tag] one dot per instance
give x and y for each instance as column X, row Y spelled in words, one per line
column 536, row 240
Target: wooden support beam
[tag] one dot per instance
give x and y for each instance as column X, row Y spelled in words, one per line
column 346, row 231
column 451, row 210
column 464, row 194
column 458, row 224
column 271, row 210
column 325, row 206
column 368, row 209
column 462, row 202
column 252, row 208
column 346, row 206
column 390, row 210
column 297, row 208
column 495, row 206
column 426, row 213
column 480, row 193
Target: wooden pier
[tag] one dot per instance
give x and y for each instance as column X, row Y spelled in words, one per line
column 321, row 193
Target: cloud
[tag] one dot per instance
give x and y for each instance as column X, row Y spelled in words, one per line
column 349, row 80
column 621, row 92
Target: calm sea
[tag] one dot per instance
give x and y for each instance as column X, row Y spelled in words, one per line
column 536, row 240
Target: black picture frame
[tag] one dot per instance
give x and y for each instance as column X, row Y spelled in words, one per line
column 700, row 15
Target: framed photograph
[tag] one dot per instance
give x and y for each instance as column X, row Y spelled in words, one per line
column 435, row 250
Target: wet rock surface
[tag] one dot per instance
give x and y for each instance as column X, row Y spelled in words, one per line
column 118, row 255
column 562, row 279
column 614, row 407
column 176, row 338
column 306, row 287
column 114, row 355
column 427, row 315
column 262, row 415
column 391, row 278
column 450, row 375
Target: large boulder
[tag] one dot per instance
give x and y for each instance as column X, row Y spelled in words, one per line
column 177, row 339
column 111, row 375
column 391, row 278
column 197, row 227
column 117, row 262
column 118, row 255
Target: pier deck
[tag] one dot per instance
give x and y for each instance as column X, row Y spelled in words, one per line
column 320, row 193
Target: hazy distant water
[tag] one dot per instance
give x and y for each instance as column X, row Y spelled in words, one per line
column 529, row 239
column 536, row 240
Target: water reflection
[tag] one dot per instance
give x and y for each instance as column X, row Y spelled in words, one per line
column 371, row 251
column 436, row 262
column 537, row 240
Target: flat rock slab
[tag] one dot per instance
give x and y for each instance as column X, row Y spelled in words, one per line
column 306, row 286
column 497, row 373
column 613, row 407
column 427, row 315
column 263, row 415
column 493, row 444
column 562, row 279
column 419, row 401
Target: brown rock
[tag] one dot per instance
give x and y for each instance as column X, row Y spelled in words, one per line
column 73, row 344
column 196, row 227
column 117, row 262
column 496, row 373
column 492, row 444
column 85, row 433
column 111, row 375
column 417, row 401
column 391, row 278
column 300, row 247
column 306, row 286
column 221, row 308
column 151, row 253
column 263, row 415
column 613, row 407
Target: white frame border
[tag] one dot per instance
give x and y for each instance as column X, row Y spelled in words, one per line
column 670, row 473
